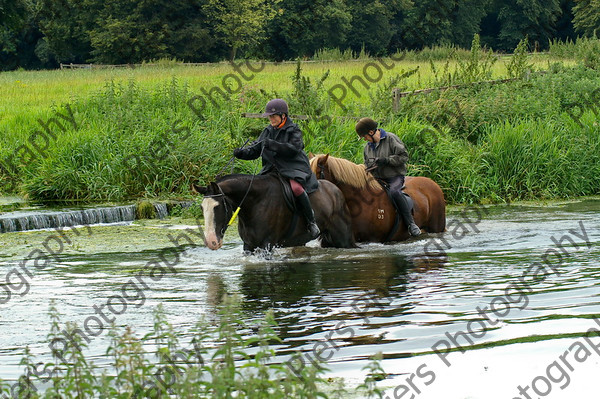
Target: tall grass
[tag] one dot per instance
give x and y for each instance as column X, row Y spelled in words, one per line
column 434, row 53
column 134, row 142
column 527, row 159
column 469, row 111
column 543, row 159
column 585, row 50
column 227, row 359
column 438, row 53
column 335, row 54
column 27, row 95
column 137, row 137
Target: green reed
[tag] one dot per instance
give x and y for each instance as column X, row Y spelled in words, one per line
column 139, row 138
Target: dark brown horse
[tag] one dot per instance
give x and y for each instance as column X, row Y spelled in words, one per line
column 373, row 215
column 265, row 221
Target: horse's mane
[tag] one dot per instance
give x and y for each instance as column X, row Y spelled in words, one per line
column 350, row 173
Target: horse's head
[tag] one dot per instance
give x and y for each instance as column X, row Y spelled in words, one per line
column 318, row 164
column 341, row 171
column 217, row 212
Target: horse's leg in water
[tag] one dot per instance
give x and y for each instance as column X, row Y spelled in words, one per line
column 339, row 235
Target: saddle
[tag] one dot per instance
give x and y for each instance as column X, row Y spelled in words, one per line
column 290, row 201
column 288, row 195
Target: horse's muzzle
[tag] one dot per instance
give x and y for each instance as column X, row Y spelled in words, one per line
column 213, row 242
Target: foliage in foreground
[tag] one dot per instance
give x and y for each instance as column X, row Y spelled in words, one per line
column 230, row 358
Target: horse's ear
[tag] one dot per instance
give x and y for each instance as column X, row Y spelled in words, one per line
column 310, row 155
column 214, row 188
column 199, row 189
column 325, row 158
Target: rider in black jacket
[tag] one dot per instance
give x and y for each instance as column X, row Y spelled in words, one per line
column 282, row 150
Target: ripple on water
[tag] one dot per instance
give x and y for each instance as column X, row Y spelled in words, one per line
column 397, row 299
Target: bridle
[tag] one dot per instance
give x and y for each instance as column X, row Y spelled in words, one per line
column 320, row 170
column 221, row 194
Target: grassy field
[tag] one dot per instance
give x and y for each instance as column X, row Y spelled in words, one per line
column 26, row 94
column 130, row 132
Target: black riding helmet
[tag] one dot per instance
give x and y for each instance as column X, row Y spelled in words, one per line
column 365, row 125
column 276, row 107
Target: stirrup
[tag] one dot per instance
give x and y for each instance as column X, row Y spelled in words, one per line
column 414, row 230
column 314, row 231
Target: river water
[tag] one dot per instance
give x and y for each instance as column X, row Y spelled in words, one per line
column 516, row 291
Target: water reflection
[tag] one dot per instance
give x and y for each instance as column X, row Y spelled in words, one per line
column 367, row 294
column 395, row 298
column 290, row 284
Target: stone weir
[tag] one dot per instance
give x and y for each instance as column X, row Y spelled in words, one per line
column 24, row 220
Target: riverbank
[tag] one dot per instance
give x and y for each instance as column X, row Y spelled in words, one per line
column 151, row 132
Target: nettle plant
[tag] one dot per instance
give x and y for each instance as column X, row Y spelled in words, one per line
column 229, row 357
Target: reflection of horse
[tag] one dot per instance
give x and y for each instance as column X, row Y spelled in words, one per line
column 265, row 220
column 373, row 214
column 292, row 284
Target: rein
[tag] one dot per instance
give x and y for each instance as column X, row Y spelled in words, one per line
column 230, row 162
column 239, row 208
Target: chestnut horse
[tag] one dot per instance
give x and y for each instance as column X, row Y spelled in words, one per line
column 372, row 211
column 265, row 221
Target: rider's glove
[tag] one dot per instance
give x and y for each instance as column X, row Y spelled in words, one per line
column 237, row 152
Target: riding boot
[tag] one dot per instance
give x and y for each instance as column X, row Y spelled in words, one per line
column 406, row 214
column 306, row 209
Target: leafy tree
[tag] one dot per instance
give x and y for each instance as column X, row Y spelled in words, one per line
column 131, row 31
column 436, row 22
column 398, row 21
column 12, row 19
column 565, row 29
column 587, row 16
column 241, row 23
column 191, row 40
column 372, row 26
column 121, row 35
column 12, row 13
column 466, row 21
column 428, row 23
column 535, row 19
column 66, row 25
column 19, row 34
column 8, row 48
column 301, row 27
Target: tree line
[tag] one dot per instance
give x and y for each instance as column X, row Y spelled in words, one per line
column 42, row 33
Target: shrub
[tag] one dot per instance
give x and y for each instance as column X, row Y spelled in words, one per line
column 229, row 359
